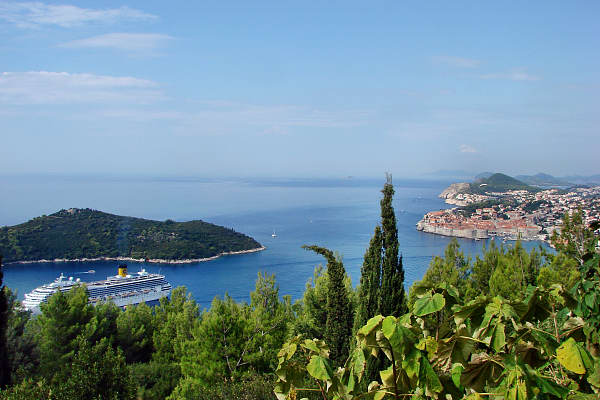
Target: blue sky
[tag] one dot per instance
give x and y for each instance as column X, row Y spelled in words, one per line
column 217, row 88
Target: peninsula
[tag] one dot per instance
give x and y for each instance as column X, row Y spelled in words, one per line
column 87, row 235
column 506, row 207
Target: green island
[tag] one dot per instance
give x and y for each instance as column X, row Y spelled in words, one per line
column 76, row 234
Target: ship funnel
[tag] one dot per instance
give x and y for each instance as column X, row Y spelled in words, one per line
column 123, row 270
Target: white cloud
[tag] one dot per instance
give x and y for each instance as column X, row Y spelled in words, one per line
column 37, row 14
column 514, row 75
column 276, row 117
column 137, row 42
column 459, row 62
column 42, row 87
column 465, row 148
column 223, row 117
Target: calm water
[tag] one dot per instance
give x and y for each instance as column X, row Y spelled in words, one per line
column 339, row 215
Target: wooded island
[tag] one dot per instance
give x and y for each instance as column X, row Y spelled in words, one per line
column 77, row 234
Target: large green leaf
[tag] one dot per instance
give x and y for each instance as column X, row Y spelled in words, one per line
column 387, row 377
column 457, row 370
column 411, row 363
column 450, row 290
column 429, row 304
column 319, row 368
column 388, row 327
column 428, row 344
column 316, row 346
column 498, row 337
column 475, row 309
column 429, row 379
column 455, row 349
column 549, row 387
column 399, row 337
column 287, row 350
column 573, row 356
column 481, row 371
column 370, row 326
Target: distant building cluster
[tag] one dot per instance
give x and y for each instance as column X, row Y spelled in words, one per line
column 515, row 214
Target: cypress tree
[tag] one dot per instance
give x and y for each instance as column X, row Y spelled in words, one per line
column 338, row 326
column 382, row 275
column 370, row 276
column 392, row 298
column 4, row 371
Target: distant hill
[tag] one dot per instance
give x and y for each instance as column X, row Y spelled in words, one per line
column 496, row 182
column 499, row 183
column 583, row 180
column 86, row 233
column 542, row 179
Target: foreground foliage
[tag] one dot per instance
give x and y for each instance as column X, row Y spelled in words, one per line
column 542, row 347
column 459, row 342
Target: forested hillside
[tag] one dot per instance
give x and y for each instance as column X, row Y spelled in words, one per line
column 86, row 233
column 499, row 183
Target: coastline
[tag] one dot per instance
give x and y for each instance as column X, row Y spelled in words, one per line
column 477, row 234
column 150, row 260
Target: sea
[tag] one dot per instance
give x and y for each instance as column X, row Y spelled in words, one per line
column 339, row 214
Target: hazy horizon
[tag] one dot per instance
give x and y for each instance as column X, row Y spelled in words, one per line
column 278, row 89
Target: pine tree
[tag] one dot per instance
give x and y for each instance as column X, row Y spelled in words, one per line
column 66, row 318
column 4, row 371
column 370, row 276
column 338, row 327
column 392, row 298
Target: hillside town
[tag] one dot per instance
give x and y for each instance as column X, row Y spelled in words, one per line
column 511, row 215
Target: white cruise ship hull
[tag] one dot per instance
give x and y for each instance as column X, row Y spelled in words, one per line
column 122, row 290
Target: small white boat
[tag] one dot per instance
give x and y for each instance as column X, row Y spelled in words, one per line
column 273, row 235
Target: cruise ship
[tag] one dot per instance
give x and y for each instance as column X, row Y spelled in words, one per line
column 122, row 289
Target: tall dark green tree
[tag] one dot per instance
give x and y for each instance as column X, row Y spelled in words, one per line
column 4, row 370
column 392, row 297
column 338, row 327
column 370, row 277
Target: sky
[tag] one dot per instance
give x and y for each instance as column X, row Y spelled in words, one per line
column 289, row 88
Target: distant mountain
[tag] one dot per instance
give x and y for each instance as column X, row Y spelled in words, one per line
column 542, row 179
column 86, row 233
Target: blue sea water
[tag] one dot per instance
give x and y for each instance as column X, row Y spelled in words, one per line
column 339, row 214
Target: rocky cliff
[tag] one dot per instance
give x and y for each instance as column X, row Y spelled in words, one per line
column 449, row 194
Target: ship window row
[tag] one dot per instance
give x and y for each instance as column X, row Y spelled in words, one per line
column 130, row 285
column 141, row 284
column 117, row 290
column 144, row 282
column 105, row 292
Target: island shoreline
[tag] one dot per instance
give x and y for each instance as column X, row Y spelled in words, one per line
column 151, row 260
